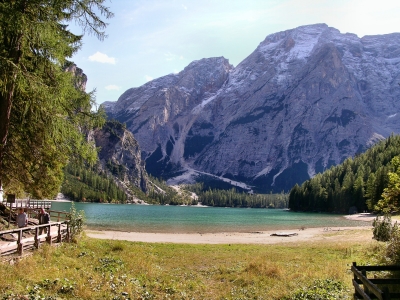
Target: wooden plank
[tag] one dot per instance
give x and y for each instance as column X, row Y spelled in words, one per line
column 385, row 280
column 360, row 291
column 379, row 268
column 11, row 247
column 368, row 284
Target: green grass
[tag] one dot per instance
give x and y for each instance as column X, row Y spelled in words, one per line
column 105, row 269
column 396, row 218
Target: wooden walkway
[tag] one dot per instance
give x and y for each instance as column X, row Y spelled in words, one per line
column 16, row 241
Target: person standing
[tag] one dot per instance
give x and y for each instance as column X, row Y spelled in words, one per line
column 44, row 218
column 22, row 218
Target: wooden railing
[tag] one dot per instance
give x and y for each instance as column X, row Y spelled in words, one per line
column 39, row 203
column 58, row 215
column 370, row 289
column 29, row 203
column 27, row 238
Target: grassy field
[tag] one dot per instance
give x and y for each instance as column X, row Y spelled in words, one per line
column 105, row 269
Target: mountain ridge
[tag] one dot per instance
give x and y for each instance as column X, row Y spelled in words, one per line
column 305, row 99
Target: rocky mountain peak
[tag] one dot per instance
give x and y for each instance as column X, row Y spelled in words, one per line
column 305, row 99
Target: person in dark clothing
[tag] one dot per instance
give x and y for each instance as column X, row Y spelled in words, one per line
column 22, row 218
column 44, row 218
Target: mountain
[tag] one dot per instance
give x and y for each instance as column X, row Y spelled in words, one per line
column 120, row 155
column 304, row 100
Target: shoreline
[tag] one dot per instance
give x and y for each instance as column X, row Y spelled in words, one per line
column 355, row 233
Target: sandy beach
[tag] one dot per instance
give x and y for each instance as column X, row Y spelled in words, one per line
column 260, row 237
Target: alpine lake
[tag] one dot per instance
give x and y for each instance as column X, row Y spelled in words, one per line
column 198, row 219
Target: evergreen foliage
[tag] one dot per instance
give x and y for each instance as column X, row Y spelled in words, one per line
column 358, row 182
column 391, row 194
column 44, row 111
column 233, row 198
column 87, row 184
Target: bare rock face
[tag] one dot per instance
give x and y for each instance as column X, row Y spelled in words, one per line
column 79, row 76
column 120, row 155
column 304, row 100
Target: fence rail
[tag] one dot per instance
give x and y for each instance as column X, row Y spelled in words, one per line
column 15, row 241
column 59, row 215
column 29, row 203
column 370, row 289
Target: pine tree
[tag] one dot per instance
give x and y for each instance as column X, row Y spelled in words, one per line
column 42, row 110
column 391, row 194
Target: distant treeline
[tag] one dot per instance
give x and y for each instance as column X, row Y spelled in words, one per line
column 82, row 183
column 161, row 193
column 358, row 182
column 233, row 198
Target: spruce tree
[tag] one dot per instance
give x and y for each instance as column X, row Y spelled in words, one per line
column 43, row 114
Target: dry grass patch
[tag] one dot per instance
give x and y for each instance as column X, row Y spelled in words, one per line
column 105, row 269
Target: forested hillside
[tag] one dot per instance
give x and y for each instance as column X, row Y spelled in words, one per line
column 87, row 184
column 357, row 183
column 211, row 195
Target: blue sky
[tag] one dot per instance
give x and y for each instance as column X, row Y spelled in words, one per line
column 148, row 39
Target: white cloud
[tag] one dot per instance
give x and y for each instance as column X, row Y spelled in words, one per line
column 112, row 87
column 148, row 78
column 102, row 58
column 170, row 56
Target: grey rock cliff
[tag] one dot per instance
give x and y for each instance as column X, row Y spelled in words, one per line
column 304, row 100
column 80, row 77
column 120, row 155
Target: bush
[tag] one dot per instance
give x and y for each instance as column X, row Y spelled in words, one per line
column 382, row 228
column 393, row 246
column 76, row 222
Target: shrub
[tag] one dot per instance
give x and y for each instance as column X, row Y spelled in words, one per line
column 382, row 228
column 393, row 246
column 76, row 222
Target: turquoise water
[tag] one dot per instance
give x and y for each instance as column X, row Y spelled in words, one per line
column 179, row 219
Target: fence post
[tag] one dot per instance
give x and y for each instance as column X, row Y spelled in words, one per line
column 354, row 274
column 37, row 241
column 20, row 246
column 59, row 239
column 386, row 293
column 68, row 232
column 48, row 238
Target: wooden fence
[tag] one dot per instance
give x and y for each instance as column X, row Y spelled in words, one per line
column 58, row 216
column 15, row 241
column 370, row 289
column 29, row 203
